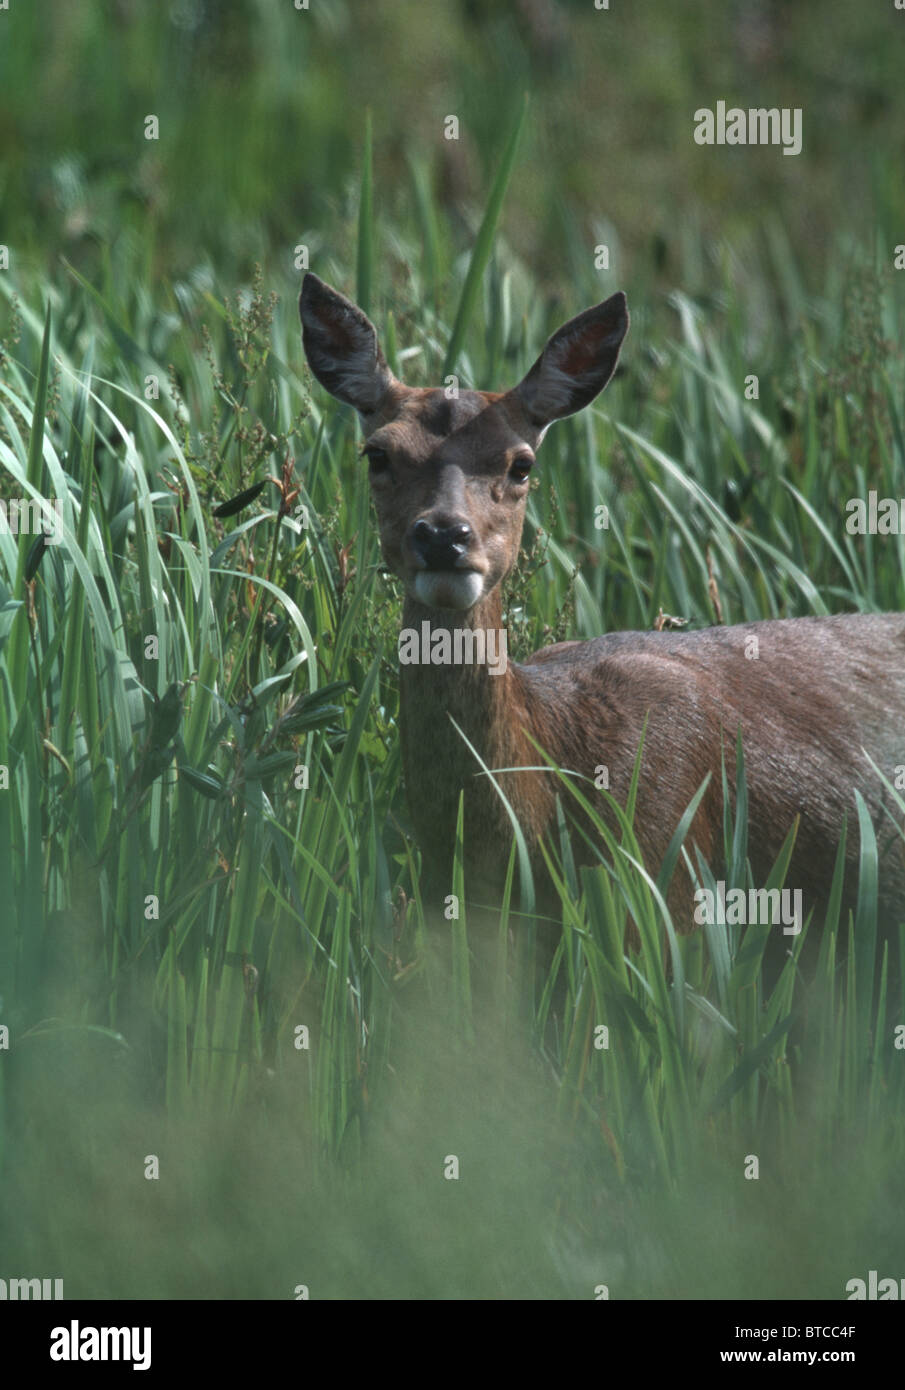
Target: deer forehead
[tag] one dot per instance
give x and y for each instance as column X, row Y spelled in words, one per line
column 470, row 427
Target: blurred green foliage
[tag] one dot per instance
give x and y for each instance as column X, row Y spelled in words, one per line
column 261, row 112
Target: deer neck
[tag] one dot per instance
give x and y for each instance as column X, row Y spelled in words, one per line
column 487, row 700
column 462, row 668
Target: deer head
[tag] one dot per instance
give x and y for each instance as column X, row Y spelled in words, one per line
column 449, row 473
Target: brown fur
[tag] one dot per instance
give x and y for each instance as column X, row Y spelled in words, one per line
column 802, row 733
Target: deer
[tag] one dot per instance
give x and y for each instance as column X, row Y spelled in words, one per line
column 449, row 476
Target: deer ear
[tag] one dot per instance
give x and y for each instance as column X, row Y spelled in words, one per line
column 342, row 348
column 576, row 364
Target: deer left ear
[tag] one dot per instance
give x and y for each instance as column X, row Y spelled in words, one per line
column 342, row 348
column 576, row 364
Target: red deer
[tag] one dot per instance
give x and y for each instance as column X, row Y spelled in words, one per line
column 449, row 480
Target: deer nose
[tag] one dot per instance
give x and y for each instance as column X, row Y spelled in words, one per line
column 440, row 547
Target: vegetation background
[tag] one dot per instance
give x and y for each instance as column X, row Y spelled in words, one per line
column 175, row 906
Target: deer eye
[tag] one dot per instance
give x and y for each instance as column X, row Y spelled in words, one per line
column 378, row 459
column 520, row 468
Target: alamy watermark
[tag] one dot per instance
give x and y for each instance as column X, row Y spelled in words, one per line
column 766, row 906
column 756, row 125
column 86, row 1343
column 874, row 1288
column 460, row 646
column 22, row 1290
column 875, row 515
column 32, row 516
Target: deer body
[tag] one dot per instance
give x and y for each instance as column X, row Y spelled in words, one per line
column 449, row 481
column 803, row 728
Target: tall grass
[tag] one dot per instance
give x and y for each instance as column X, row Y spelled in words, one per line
column 212, row 939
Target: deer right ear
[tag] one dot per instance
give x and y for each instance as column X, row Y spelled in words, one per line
column 342, row 348
column 576, row 364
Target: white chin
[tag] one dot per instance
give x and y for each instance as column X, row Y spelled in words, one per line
column 452, row 589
